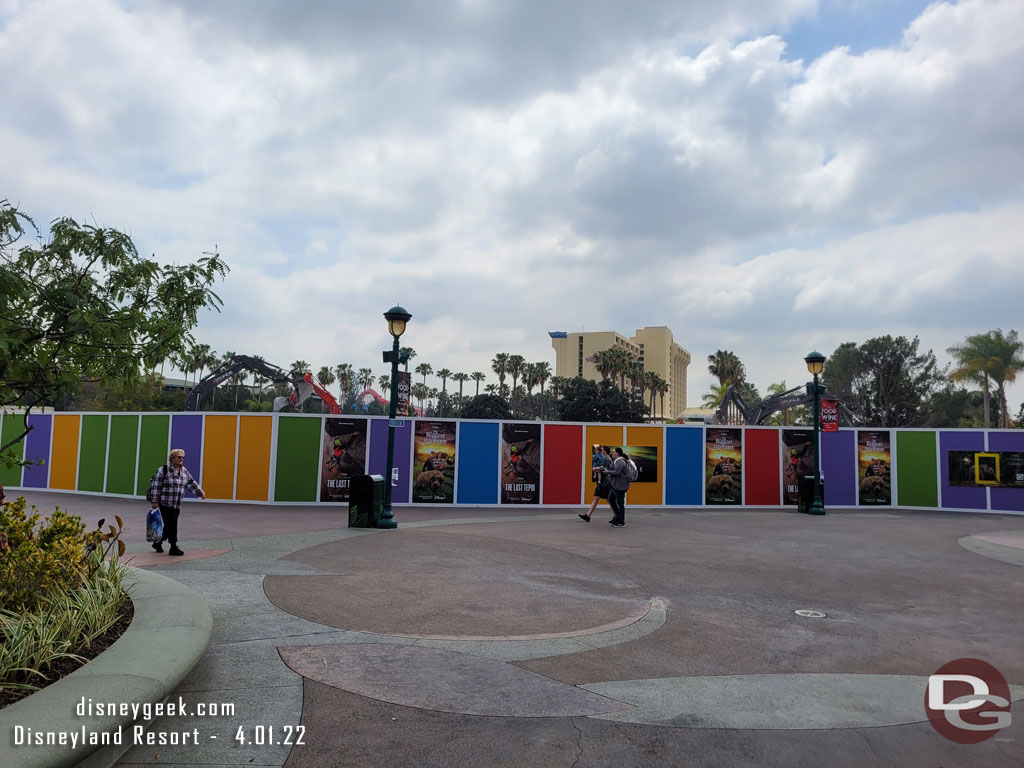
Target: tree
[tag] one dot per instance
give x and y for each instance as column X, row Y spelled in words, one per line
column 462, row 378
column 542, row 372
column 586, row 400
column 500, row 366
column 477, row 376
column 384, row 382
column 886, row 381
column 325, row 377
column 425, row 369
column 365, row 378
column 516, row 368
column 344, row 375
column 407, row 354
column 486, row 407
column 725, row 366
column 986, row 357
column 299, row 367
column 445, row 374
column 85, row 305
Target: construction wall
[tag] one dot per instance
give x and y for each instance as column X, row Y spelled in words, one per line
column 273, row 458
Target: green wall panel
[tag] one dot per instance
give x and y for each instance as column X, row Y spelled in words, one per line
column 92, row 453
column 154, row 442
column 298, row 459
column 124, row 443
column 916, row 471
column 12, row 425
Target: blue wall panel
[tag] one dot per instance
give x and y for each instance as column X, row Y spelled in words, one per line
column 684, row 466
column 477, row 463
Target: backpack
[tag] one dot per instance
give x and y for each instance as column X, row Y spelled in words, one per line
column 632, row 473
column 149, row 494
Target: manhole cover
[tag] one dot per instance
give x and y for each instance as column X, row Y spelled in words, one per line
column 810, row 614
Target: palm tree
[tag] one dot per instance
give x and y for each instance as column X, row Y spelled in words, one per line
column 714, row 396
column 420, row 392
column 299, row 367
column 500, row 366
column 365, row 378
column 725, row 365
column 516, row 368
column 445, row 374
column 462, row 378
column 662, row 391
column 325, row 377
column 344, row 375
column 384, row 382
column 490, row 389
column 408, row 353
column 542, row 372
column 477, row 376
column 991, row 356
column 604, row 362
column 424, row 369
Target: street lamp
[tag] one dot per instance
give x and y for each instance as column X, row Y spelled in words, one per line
column 397, row 319
column 815, row 364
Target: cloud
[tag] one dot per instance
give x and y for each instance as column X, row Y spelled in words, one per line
column 505, row 169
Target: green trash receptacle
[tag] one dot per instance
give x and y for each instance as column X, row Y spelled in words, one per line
column 805, row 498
column 365, row 500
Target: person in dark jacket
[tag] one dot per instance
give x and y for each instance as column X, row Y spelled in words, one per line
column 165, row 491
column 619, row 483
column 600, row 460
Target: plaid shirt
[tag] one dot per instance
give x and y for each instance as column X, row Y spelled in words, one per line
column 168, row 486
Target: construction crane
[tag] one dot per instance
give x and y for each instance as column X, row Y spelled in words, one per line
column 303, row 384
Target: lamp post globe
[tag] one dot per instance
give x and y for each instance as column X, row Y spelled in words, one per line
column 816, row 364
column 398, row 318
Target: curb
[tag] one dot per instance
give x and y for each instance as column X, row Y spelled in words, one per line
column 168, row 635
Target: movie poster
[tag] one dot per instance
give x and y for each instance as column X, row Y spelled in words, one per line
column 646, row 459
column 797, row 460
column 520, row 463
column 433, row 468
column 723, row 469
column 976, row 469
column 874, row 467
column 344, row 455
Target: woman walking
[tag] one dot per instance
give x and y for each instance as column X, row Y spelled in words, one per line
column 598, row 463
column 165, row 491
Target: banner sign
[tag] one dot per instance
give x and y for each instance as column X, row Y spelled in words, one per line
column 344, row 455
column 403, row 389
column 723, row 452
column 797, row 460
column 433, row 468
column 976, row 468
column 829, row 415
column 646, row 459
column 874, row 465
column 520, row 464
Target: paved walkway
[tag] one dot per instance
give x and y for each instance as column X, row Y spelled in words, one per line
column 520, row 637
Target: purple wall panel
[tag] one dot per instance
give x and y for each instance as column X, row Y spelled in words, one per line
column 403, row 455
column 955, row 496
column 37, row 446
column 839, row 467
column 187, row 434
column 1009, row 499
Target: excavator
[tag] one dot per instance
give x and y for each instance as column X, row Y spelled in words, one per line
column 733, row 409
column 303, row 384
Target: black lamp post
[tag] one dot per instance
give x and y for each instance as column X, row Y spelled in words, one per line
column 815, row 364
column 397, row 319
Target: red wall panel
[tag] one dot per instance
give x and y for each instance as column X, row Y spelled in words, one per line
column 563, row 464
column 762, row 467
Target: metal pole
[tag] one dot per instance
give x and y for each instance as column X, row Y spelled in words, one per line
column 818, row 505
column 387, row 517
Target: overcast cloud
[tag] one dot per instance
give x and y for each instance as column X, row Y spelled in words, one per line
column 503, row 169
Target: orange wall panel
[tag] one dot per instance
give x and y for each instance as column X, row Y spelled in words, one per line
column 610, row 436
column 254, row 433
column 647, row 494
column 219, row 456
column 64, row 457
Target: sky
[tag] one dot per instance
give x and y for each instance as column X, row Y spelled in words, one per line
column 763, row 176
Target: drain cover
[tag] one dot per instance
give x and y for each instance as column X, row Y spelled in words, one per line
column 810, row 614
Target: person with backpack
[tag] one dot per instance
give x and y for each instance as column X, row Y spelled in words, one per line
column 166, row 488
column 619, row 475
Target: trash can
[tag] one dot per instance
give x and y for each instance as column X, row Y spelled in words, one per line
column 805, row 498
column 365, row 500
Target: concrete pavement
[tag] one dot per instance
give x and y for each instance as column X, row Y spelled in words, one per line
column 527, row 637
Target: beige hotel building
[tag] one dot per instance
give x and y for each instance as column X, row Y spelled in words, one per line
column 652, row 346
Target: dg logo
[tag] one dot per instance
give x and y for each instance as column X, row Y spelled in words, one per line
column 967, row 701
